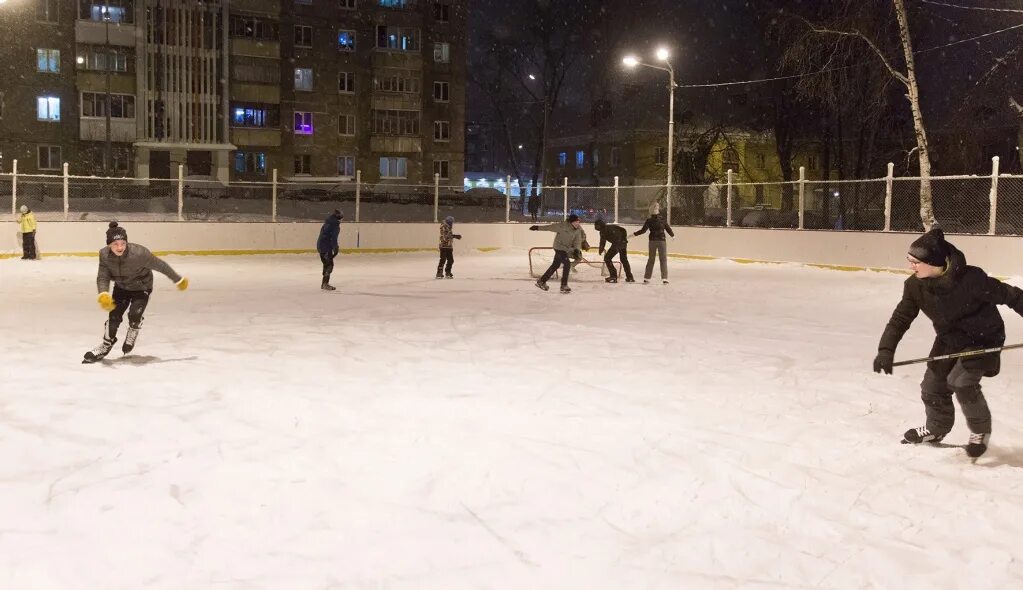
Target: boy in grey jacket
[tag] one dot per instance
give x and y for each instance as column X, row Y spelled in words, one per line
column 130, row 267
column 568, row 242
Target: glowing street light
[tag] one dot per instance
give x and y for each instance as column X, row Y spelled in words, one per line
column 630, row 61
column 531, row 76
column 662, row 54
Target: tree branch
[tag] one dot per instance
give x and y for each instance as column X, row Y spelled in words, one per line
column 858, row 35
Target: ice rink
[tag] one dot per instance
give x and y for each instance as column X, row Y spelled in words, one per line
column 723, row 431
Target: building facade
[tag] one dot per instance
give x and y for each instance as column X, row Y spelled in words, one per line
column 233, row 89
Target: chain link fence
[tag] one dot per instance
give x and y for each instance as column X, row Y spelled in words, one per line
column 962, row 204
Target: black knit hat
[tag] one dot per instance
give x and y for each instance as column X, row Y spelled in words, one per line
column 931, row 248
column 337, row 213
column 573, row 217
column 116, row 232
column 599, row 224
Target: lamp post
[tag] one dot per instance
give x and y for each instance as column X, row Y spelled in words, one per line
column 662, row 55
column 543, row 138
column 107, row 150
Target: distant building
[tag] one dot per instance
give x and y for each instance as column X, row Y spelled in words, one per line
column 232, row 90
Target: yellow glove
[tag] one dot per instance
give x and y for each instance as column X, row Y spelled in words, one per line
column 106, row 301
column 182, row 284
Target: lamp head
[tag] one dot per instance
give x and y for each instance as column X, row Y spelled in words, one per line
column 532, row 77
column 630, row 61
column 663, row 54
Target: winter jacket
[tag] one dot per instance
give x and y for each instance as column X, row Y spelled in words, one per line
column 961, row 305
column 615, row 235
column 568, row 238
column 657, row 229
column 27, row 221
column 132, row 271
column 329, row 234
column 446, row 235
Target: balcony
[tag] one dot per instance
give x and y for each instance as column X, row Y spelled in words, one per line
column 394, row 144
column 95, row 129
column 254, row 136
column 95, row 33
column 255, row 48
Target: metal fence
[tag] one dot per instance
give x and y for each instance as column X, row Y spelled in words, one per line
column 962, row 204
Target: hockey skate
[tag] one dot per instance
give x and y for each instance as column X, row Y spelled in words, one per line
column 664, row 281
column 326, row 286
column 646, row 281
column 449, row 276
column 440, row 275
column 610, row 280
column 630, row 280
column 542, row 285
column 129, row 340
column 977, row 445
column 919, row 435
column 100, row 352
column 566, row 289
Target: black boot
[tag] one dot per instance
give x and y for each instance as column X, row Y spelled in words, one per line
column 977, row 445
column 325, row 285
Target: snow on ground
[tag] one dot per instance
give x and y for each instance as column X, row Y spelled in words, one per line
column 724, row 431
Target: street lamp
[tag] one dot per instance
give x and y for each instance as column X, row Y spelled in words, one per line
column 107, row 149
column 663, row 54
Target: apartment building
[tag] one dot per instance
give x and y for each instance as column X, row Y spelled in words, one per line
column 233, row 89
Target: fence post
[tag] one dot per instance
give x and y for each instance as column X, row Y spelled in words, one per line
column 436, row 195
column 992, row 224
column 802, row 196
column 181, row 192
column 564, row 205
column 14, row 187
column 65, row 191
column 616, row 199
column 507, row 198
column 888, row 180
column 358, row 193
column 273, row 198
column 728, row 199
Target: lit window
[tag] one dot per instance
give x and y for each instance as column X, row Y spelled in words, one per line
column 48, row 60
column 563, row 159
column 48, row 157
column 441, row 167
column 580, row 159
column 397, row 38
column 393, row 167
column 48, row 108
column 346, row 124
column 304, row 79
column 346, row 40
column 115, row 11
column 253, row 116
column 346, row 165
column 394, row 3
column 250, row 162
column 303, row 123
column 346, row 82
column 442, row 53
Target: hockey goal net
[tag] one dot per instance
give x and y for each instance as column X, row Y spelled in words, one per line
column 589, row 268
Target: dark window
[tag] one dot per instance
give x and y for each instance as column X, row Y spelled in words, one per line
column 250, row 162
column 303, row 36
column 441, row 12
column 47, row 11
column 303, row 164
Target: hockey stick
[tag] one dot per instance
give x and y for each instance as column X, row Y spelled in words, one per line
column 957, row 355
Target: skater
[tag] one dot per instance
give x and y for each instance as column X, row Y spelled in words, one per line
column 658, row 246
column 447, row 251
column 27, row 222
column 567, row 243
column 618, row 238
column 328, row 247
column 534, row 207
column 960, row 301
column 130, row 267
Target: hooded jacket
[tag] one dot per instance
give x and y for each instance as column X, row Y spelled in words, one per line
column 132, row 271
column 568, row 238
column 27, row 222
column 657, row 229
column 961, row 306
column 615, row 235
column 329, row 233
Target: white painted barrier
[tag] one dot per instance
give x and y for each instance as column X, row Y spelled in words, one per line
column 1000, row 255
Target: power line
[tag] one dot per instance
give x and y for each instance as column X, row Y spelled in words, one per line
column 826, row 70
column 985, row 8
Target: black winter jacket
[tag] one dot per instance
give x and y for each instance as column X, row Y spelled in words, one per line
column 961, row 305
column 615, row 235
column 657, row 229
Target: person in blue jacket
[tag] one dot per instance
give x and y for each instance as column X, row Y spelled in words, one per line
column 328, row 247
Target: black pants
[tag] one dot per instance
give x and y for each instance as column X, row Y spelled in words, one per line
column 623, row 256
column 134, row 302
column 328, row 264
column 28, row 245
column 959, row 377
column 447, row 255
column 560, row 259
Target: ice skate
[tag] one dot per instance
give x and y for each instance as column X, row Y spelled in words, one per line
column 542, row 285
column 566, row 289
column 977, row 445
column 129, row 340
column 920, row 435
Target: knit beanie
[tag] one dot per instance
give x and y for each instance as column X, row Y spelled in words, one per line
column 339, row 214
column 599, row 224
column 930, row 248
column 116, row 232
column 449, row 220
column 573, row 217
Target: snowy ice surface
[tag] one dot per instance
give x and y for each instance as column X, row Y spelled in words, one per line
column 724, row 431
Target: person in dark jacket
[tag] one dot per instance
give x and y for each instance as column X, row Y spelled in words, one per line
column 569, row 240
column 447, row 249
column 130, row 268
column 328, row 247
column 534, row 207
column 960, row 301
column 658, row 246
column 618, row 238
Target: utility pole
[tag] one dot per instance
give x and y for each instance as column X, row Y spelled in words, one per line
column 107, row 150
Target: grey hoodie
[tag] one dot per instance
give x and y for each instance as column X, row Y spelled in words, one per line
column 568, row 238
column 133, row 271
